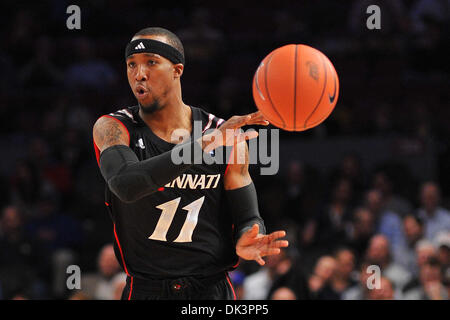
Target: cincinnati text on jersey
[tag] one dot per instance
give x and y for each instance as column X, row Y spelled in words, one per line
column 196, row 181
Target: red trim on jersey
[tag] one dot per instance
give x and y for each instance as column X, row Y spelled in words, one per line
column 232, row 289
column 131, row 289
column 123, row 262
column 120, row 249
column 97, row 154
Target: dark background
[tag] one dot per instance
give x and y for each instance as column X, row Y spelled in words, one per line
column 392, row 114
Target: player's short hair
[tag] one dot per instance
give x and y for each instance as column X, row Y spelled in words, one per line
column 171, row 37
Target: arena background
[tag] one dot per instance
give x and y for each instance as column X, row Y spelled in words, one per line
column 389, row 131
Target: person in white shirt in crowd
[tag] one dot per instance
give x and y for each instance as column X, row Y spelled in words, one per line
column 405, row 252
column 108, row 282
column 257, row 286
column 379, row 253
column 435, row 217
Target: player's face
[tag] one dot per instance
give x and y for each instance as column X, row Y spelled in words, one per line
column 151, row 77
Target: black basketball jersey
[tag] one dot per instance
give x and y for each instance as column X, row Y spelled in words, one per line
column 183, row 229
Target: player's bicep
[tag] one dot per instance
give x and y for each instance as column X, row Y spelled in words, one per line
column 108, row 132
column 237, row 175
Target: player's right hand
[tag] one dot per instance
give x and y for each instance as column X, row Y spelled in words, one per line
column 253, row 245
column 230, row 132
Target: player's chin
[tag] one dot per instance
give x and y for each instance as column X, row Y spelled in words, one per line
column 147, row 101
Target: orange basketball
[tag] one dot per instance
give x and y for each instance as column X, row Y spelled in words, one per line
column 296, row 87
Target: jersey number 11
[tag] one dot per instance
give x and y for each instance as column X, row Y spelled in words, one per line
column 168, row 212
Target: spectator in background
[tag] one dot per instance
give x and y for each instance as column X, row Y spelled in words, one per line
column 301, row 191
column 384, row 183
column 331, row 227
column 77, row 295
column 60, row 237
column 436, row 218
column 201, row 39
column 363, row 229
column 257, row 285
column 425, row 250
column 53, row 229
column 90, row 71
column 426, row 10
column 350, row 168
column 360, row 290
column 41, row 72
column 25, row 183
column 342, row 277
column 405, row 253
column 22, row 262
column 378, row 253
column 292, row 280
column 388, row 223
column 108, row 282
column 430, row 286
column 283, row 293
column 443, row 254
column 385, row 292
column 321, row 276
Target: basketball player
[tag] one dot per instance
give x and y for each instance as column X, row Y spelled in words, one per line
column 178, row 227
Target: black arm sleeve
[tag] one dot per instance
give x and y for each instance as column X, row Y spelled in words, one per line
column 243, row 203
column 130, row 179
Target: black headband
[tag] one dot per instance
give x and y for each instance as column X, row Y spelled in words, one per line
column 154, row 46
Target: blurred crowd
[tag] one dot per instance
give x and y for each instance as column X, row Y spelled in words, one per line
column 56, row 82
column 341, row 243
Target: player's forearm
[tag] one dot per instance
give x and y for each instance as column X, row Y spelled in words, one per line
column 244, row 209
column 130, row 179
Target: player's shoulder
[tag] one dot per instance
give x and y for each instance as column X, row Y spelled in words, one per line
column 125, row 114
column 209, row 120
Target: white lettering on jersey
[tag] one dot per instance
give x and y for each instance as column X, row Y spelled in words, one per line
column 196, row 181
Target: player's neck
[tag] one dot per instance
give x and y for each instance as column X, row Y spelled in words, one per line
column 174, row 115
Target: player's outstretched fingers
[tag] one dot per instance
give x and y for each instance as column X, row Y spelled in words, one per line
column 239, row 121
column 270, row 252
column 280, row 244
column 260, row 260
column 276, row 235
column 258, row 119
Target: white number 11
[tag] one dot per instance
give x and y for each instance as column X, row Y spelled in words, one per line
column 168, row 212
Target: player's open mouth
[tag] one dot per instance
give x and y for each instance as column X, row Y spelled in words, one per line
column 141, row 92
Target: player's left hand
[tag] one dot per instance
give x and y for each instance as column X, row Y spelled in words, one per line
column 254, row 246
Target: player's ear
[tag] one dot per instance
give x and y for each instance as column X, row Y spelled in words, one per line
column 178, row 70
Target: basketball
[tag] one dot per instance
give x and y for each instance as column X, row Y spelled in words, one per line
column 295, row 87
